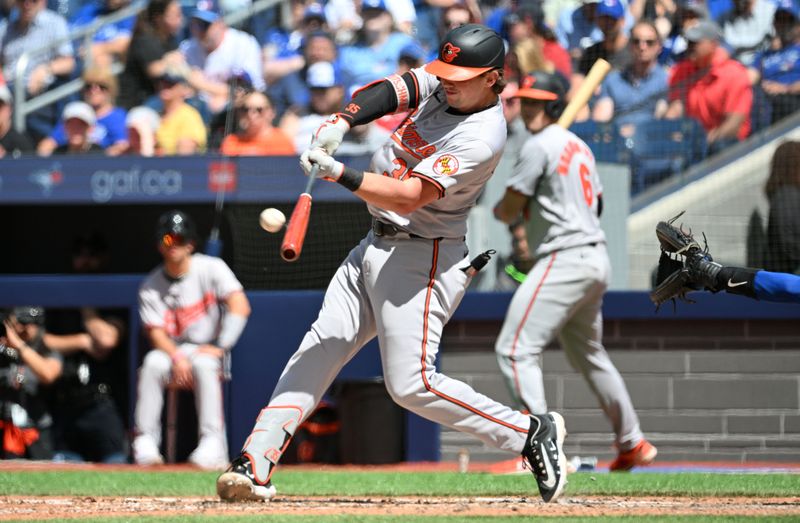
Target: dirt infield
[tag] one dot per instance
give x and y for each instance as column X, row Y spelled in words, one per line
column 56, row 508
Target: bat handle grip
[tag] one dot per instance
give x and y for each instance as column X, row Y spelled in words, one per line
column 312, row 177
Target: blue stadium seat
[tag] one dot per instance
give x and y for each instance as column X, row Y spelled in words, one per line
column 660, row 148
column 603, row 139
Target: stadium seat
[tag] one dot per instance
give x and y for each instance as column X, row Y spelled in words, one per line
column 660, row 148
column 603, row 139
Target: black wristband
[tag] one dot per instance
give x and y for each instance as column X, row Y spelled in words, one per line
column 351, row 178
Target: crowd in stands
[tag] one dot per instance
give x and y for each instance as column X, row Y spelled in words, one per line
column 187, row 76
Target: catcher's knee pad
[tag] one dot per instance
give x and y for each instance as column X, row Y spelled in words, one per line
column 274, row 429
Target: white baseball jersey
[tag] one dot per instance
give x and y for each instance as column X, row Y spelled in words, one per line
column 456, row 152
column 238, row 51
column 403, row 289
column 562, row 295
column 188, row 308
column 556, row 170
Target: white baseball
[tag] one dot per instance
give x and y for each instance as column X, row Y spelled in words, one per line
column 271, row 219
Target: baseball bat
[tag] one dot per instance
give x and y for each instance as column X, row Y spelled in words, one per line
column 298, row 222
column 584, row 92
column 214, row 243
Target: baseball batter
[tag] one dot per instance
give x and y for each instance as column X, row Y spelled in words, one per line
column 194, row 310
column 556, row 187
column 407, row 276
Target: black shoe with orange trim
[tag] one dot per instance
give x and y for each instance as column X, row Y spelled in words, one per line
column 544, row 454
column 238, row 483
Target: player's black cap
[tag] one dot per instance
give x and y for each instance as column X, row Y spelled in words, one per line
column 549, row 87
column 29, row 314
column 541, row 85
column 178, row 223
column 466, row 52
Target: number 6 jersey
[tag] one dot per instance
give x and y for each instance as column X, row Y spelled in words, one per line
column 556, row 170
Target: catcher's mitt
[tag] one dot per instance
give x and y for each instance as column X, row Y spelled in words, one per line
column 684, row 265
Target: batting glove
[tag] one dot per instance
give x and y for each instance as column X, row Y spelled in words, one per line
column 329, row 168
column 328, row 136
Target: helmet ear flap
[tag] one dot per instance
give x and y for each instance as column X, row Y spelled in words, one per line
column 554, row 108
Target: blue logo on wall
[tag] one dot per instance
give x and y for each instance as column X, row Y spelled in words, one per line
column 47, row 179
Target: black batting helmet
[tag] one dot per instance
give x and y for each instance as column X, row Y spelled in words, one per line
column 549, row 87
column 178, row 223
column 466, row 52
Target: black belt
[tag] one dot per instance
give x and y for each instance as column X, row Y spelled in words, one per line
column 380, row 228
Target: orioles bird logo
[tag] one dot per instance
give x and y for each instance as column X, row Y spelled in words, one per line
column 446, row 165
column 450, row 52
column 528, row 82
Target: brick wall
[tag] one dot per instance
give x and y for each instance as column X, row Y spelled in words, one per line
column 705, row 389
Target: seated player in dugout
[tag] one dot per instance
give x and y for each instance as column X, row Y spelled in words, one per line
column 405, row 279
column 193, row 310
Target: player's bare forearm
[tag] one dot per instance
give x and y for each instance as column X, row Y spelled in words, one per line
column 509, row 209
column 729, row 128
column 400, row 196
column 159, row 339
column 238, row 304
column 67, row 343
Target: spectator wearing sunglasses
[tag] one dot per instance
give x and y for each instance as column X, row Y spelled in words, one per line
column 713, row 88
column 257, row 136
column 100, row 92
column 638, row 92
column 182, row 130
column 27, row 368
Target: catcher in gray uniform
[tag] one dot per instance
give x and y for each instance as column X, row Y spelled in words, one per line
column 407, row 276
column 555, row 186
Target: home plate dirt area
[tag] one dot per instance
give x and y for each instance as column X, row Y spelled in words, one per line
column 55, row 507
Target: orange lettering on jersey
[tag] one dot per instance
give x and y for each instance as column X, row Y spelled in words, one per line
column 409, row 138
column 446, row 165
column 566, row 157
column 177, row 320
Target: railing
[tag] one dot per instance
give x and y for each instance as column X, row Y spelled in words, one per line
column 23, row 107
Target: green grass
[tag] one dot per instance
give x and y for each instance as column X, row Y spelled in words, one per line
column 351, row 483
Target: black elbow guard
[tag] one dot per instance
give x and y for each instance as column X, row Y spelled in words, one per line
column 390, row 95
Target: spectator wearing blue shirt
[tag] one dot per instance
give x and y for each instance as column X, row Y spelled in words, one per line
column 291, row 92
column 577, row 29
column 687, row 14
column 111, row 41
column 614, row 45
column 376, row 54
column 778, row 69
column 638, row 92
column 283, row 50
column 109, row 132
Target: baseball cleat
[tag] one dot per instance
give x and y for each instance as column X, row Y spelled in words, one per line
column 642, row 454
column 544, row 454
column 239, row 484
